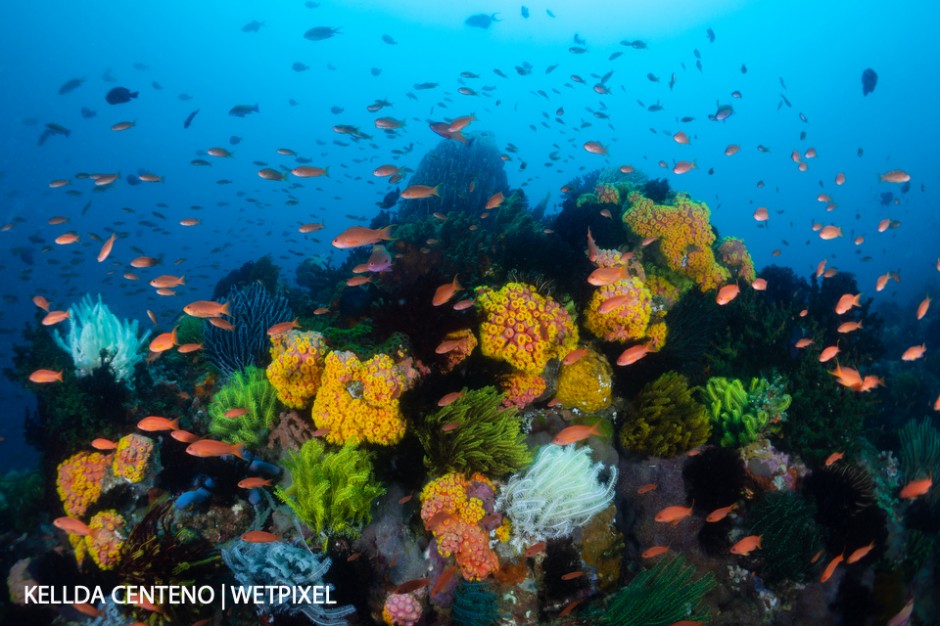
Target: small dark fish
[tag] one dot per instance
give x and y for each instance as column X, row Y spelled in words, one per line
column 420, row 86
column 189, row 118
column 389, row 40
column 577, row 50
column 299, row 67
column 132, row 179
column 141, row 67
column 785, row 101
column 335, row 110
column 655, row 107
column 672, row 81
column 310, row 4
column 687, row 119
column 499, row 72
column 58, row 129
column 390, row 199
column 652, row 77
column 578, row 39
column 869, row 80
column 698, row 64
column 549, row 13
column 156, row 85
column 525, row 12
column 637, row 45
column 711, row 35
column 551, row 68
column 252, row 27
column 241, row 110
column 782, row 84
column 481, row 20
column 319, row 33
column 88, row 113
column 184, row 97
column 120, row 95
column 71, row 85
column 234, row 140
column 375, row 71
column 743, row 68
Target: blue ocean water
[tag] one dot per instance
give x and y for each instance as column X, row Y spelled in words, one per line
column 796, row 66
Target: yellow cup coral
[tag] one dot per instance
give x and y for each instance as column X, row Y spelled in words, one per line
column 524, row 328
column 296, row 366
column 521, row 389
column 359, row 400
column 586, row 383
column 624, row 322
column 684, row 235
column 132, row 457
column 80, row 479
column 104, row 544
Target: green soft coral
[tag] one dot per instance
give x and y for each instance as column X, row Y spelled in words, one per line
column 485, row 438
column 332, row 492
column 789, row 535
column 667, row 419
column 741, row 415
column 248, row 389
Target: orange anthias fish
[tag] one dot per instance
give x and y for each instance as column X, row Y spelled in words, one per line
column 632, row 354
column 860, row 554
column 916, row 488
column 254, row 483
column 206, row 308
column 830, row 232
column 107, row 247
column 260, row 536
column 41, row 302
column 54, row 317
column 164, row 341
column 449, row 398
column 746, row 545
column 604, row 276
column 614, row 302
column 848, row 327
column 357, row 236
column 846, row 302
column 445, row 292
column 72, row 525
column 833, row 458
column 914, row 352
column 211, row 448
column 828, row 353
column 167, row 282
column 235, row 412
column 283, row 327
column 418, row 192
column 759, row 284
column 495, row 200
column 574, row 356
column 655, row 551
column 761, row 214
column 573, row 434
column 155, row 423
column 719, row 514
column 647, row 488
column 674, row 514
column 45, row 376
column 848, row 377
column 831, row 568
column 103, row 444
column 727, row 293
column 595, row 147
column 803, row 343
column 922, row 308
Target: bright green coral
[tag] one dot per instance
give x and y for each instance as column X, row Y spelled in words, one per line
column 248, row 389
column 332, row 492
column 484, row 437
column 741, row 415
column 661, row 596
column 667, row 419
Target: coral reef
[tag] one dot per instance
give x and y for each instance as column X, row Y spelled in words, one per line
column 401, row 609
column 684, row 234
column 296, row 366
column 667, row 419
column 475, row 434
column 559, row 492
column 249, row 393
column 359, row 400
column 331, row 492
column 735, row 256
column 133, row 458
column 95, row 331
column 276, row 564
column 524, row 328
column 789, row 535
column 80, row 479
column 104, row 544
column 586, row 384
column 22, row 500
column 253, row 311
column 520, row 389
column 741, row 415
column 660, row 596
column 624, row 322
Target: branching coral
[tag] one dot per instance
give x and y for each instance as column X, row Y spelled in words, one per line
column 331, row 492
column 789, row 535
column 360, row 400
column 667, row 420
column 296, row 366
column 254, row 310
column 685, row 236
column 282, row 564
column 94, row 329
column 524, row 328
column 248, row 390
column 740, row 415
column 558, row 493
column 661, row 596
column 485, row 437
column 586, row 384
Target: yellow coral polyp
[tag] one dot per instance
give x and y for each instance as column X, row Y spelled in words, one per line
column 359, row 401
column 586, row 384
column 657, row 333
column 625, row 322
column 104, row 543
column 132, row 457
column 521, row 389
column 79, row 481
column 524, row 328
column 296, row 367
column 684, row 235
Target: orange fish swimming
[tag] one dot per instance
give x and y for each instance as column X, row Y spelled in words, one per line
column 759, row 284
column 860, row 554
column 647, row 488
column 449, row 398
column 164, row 341
column 846, row 302
column 833, row 458
column 916, row 488
column 107, row 247
column 357, row 236
column 103, row 444
column 614, row 302
column 72, row 525
column 830, row 232
column 54, row 317
column 283, row 327
column 418, row 192
column 746, row 545
column 573, row 434
column 595, row 147
column 922, row 308
column 211, row 448
column 895, row 176
column 206, row 308
column 848, row 327
column 254, row 483
column 655, row 551
column 574, row 356
column 632, row 354
column 761, row 214
column 495, row 200
column 45, row 376
column 604, row 276
column 155, row 423
column 683, row 167
column 446, row 292
column 41, row 302
column 235, row 413
column 719, row 514
column 260, row 536
column 674, row 514
column 727, row 293
column 802, row 343
column 167, row 282
column 914, row 352
column 831, row 568
column 309, row 171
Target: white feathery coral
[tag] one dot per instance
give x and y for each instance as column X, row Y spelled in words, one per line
column 557, row 494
